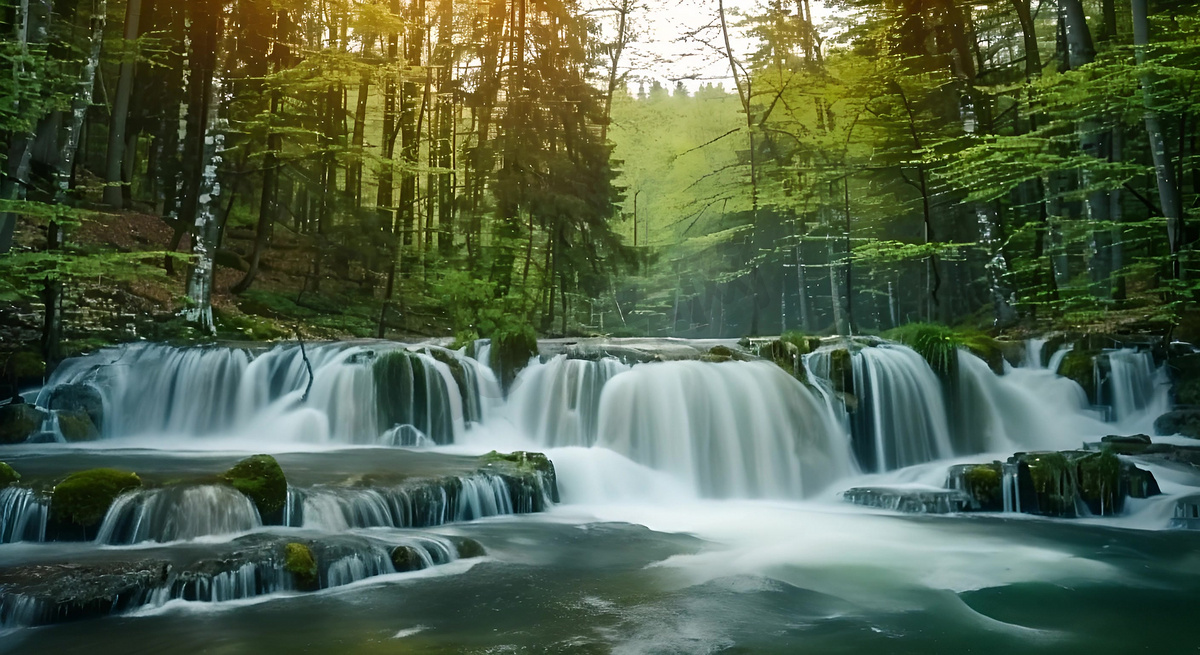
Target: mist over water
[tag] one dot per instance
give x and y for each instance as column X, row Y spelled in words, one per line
column 681, row 482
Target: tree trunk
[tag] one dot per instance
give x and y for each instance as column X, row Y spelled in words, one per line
column 114, row 179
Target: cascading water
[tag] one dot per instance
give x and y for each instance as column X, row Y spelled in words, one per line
column 558, row 402
column 23, row 514
column 177, row 513
column 1135, row 388
column 359, row 393
column 738, row 429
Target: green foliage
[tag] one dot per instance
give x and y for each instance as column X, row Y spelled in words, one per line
column 83, row 498
column 939, row 345
column 8, row 475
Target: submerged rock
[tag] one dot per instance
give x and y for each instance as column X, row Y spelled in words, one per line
column 78, row 397
column 1180, row 421
column 910, row 501
column 1131, row 444
column 406, row 558
column 262, row 480
column 468, row 548
column 19, row 422
column 78, row 503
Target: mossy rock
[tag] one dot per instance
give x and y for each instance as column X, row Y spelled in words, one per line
column 524, row 461
column 469, row 548
column 939, row 345
column 8, row 475
column 722, row 354
column 1099, row 482
column 841, row 370
column 983, row 483
column 298, row 559
column 787, row 356
column 76, row 426
column 1080, row 366
column 19, row 422
column 262, row 481
column 83, row 498
column 511, row 353
column 1187, row 392
column 1054, row 485
column 407, row 558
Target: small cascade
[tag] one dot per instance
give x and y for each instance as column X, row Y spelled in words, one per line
column 356, row 393
column 1034, row 356
column 737, row 429
column 23, row 515
column 1011, row 486
column 177, row 513
column 1133, row 386
column 558, row 402
column 901, row 414
column 1027, row 408
column 417, row 506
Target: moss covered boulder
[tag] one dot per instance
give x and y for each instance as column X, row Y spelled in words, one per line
column 298, row 559
column 78, row 503
column 19, row 422
column 1080, row 366
column 841, row 370
column 8, row 475
column 76, row 426
column 721, row 354
column 407, row 558
column 522, row 470
column 262, row 480
column 1053, row 483
column 469, row 548
column 982, row 482
column 1099, row 482
column 511, row 352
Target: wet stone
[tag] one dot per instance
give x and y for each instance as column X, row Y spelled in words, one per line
column 910, row 501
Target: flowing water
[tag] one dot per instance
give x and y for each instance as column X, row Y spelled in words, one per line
column 700, row 506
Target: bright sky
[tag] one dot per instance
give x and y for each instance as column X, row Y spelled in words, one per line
column 664, row 51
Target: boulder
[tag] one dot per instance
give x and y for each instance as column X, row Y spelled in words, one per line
column 468, row 548
column 1131, row 444
column 78, row 503
column 1180, row 421
column 75, row 426
column 262, row 480
column 78, row 397
column 19, row 422
column 407, row 558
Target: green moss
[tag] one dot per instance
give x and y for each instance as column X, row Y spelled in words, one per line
column 721, row 354
column 77, row 426
column 262, row 481
column 298, row 559
column 1099, row 476
column 1053, row 479
column 8, row 475
column 939, row 345
column 19, row 422
column 522, row 460
column 984, row 483
column 841, row 370
column 406, row 558
column 1079, row 365
column 84, row 497
column 787, row 356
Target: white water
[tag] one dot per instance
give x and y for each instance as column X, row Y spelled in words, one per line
column 177, row 514
column 558, row 402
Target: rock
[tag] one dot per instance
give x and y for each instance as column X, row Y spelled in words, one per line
column 229, row 259
column 910, row 501
column 298, row 559
column 1185, row 373
column 520, row 466
column 79, row 503
column 19, row 422
column 1131, row 444
column 8, row 475
column 983, row 483
column 75, row 426
column 39, row 594
column 511, row 352
column 1063, row 483
column 407, row 558
column 79, row 397
column 1080, row 366
column 841, row 371
column 1099, row 483
column 1187, row 514
column 721, row 354
column 1053, row 484
column 262, row 481
column 1181, row 421
column 469, row 548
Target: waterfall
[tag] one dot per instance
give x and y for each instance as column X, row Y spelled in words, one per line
column 558, row 402
column 1135, row 387
column 355, row 395
column 177, row 513
column 737, row 429
column 23, row 514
